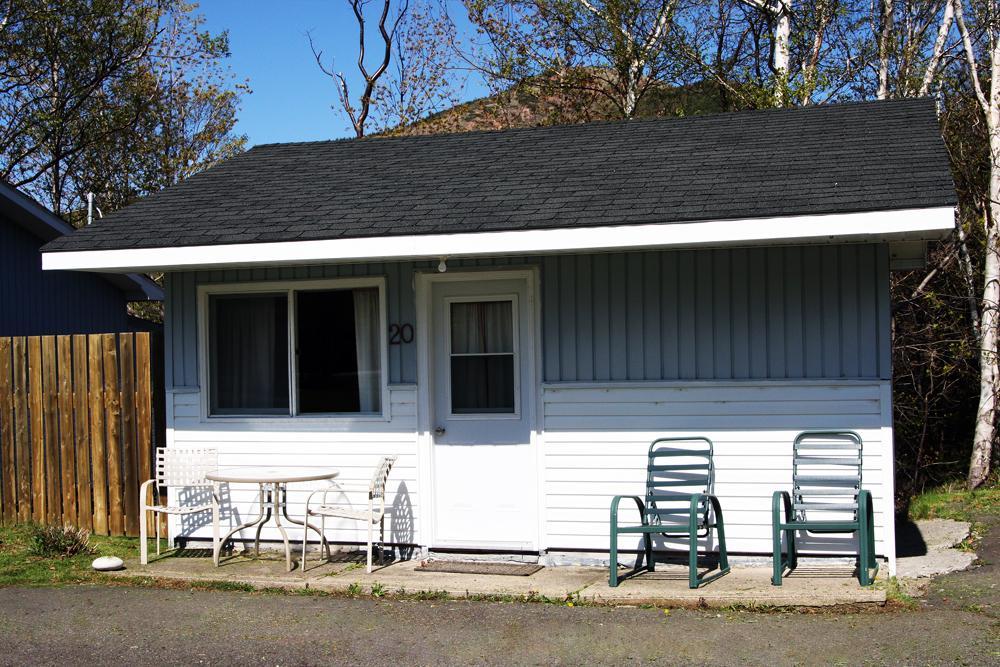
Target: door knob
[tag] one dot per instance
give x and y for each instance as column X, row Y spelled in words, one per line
column 439, row 430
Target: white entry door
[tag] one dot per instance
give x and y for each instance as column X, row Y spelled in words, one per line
column 482, row 379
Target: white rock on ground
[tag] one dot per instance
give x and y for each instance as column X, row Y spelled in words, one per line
column 940, row 536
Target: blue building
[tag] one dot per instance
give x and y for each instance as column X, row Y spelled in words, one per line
column 33, row 302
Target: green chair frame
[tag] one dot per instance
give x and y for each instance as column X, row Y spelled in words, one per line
column 824, row 471
column 695, row 513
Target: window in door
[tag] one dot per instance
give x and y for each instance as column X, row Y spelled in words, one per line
column 483, row 357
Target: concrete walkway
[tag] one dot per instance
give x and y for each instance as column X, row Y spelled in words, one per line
column 936, row 551
column 824, row 585
column 816, row 583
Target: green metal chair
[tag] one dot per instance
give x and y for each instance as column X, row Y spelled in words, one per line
column 826, row 480
column 679, row 485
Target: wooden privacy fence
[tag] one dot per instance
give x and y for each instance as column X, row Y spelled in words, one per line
column 76, row 429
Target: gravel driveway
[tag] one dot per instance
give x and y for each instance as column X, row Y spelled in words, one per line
column 957, row 624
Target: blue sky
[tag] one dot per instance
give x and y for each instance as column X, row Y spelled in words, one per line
column 291, row 98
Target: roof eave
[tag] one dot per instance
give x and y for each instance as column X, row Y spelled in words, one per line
column 135, row 286
column 870, row 226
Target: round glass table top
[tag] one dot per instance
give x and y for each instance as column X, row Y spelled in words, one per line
column 274, row 475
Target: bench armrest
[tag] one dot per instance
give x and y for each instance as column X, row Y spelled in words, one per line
column 312, row 494
column 865, row 506
column 143, row 488
column 696, row 499
column 778, row 499
column 341, row 490
column 616, row 501
column 348, row 488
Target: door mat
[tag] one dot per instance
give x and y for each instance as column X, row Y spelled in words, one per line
column 476, row 567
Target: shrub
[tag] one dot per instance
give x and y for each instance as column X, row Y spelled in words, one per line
column 59, row 541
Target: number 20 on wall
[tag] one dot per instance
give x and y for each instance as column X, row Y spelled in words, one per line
column 400, row 333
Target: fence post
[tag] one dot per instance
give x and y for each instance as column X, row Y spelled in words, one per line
column 131, row 486
column 22, row 445
column 67, row 450
column 37, row 428
column 50, row 420
column 84, row 489
column 143, row 416
column 95, row 364
column 112, row 423
column 7, row 433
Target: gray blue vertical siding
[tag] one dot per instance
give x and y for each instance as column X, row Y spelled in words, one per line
column 746, row 313
column 769, row 313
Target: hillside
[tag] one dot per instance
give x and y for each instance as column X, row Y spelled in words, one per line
column 541, row 101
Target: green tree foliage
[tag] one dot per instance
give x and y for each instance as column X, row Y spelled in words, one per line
column 115, row 97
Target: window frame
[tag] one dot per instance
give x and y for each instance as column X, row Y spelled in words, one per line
column 516, row 354
column 289, row 288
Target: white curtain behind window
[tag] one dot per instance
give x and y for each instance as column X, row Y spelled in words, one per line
column 482, row 362
column 482, row 327
column 250, row 372
column 366, row 334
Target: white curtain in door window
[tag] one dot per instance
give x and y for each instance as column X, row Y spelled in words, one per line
column 482, row 327
column 367, row 340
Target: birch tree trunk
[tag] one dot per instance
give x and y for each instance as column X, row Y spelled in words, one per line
column 982, row 443
column 782, row 50
column 884, row 41
column 985, row 435
column 779, row 14
column 939, row 43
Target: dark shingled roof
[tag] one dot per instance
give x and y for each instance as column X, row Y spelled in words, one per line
column 825, row 159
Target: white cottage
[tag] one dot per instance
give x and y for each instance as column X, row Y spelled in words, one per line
column 517, row 314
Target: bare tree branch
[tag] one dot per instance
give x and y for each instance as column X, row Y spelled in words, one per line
column 358, row 115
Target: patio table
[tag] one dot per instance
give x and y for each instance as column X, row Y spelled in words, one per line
column 273, row 485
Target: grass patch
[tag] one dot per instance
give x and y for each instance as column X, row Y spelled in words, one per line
column 952, row 501
column 221, row 585
column 28, row 555
column 895, row 594
column 530, row 596
column 430, row 595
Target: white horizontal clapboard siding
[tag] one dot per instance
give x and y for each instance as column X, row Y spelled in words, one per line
column 596, row 437
column 352, row 447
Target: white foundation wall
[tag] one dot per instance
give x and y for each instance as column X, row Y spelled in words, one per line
column 596, row 438
column 353, row 448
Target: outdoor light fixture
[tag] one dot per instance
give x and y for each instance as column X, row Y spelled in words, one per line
column 443, row 265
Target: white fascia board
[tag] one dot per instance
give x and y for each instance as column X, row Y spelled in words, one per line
column 899, row 225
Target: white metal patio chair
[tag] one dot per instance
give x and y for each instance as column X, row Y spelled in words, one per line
column 182, row 469
column 374, row 514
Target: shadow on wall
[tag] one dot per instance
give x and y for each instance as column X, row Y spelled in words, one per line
column 399, row 516
column 193, row 496
column 402, row 531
